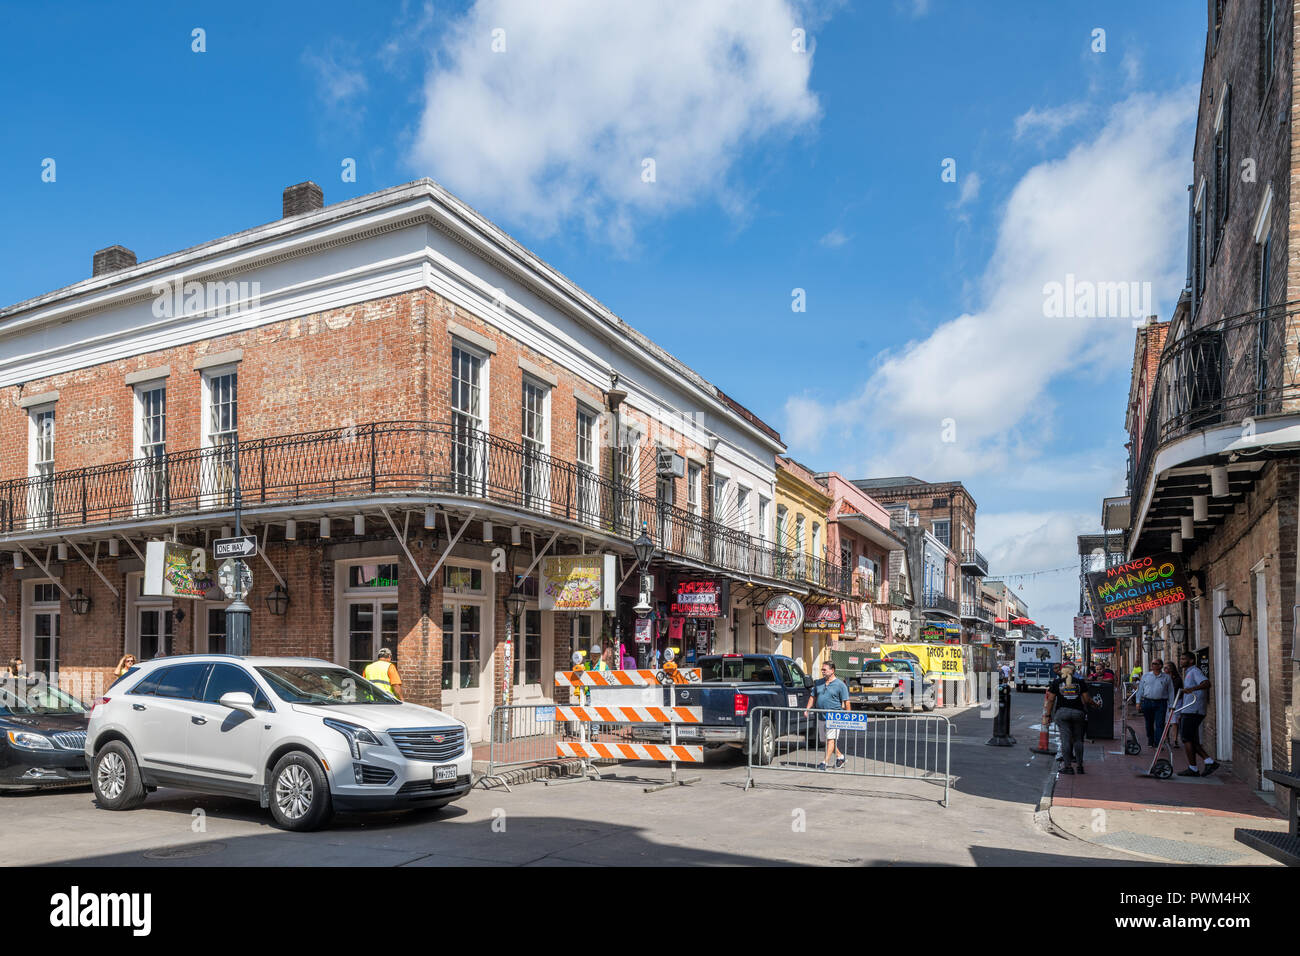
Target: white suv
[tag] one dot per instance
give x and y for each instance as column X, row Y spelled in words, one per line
column 304, row 737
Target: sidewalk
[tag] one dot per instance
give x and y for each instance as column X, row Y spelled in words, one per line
column 1182, row 819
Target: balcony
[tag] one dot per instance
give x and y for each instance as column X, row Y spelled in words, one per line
column 975, row 611
column 389, row 459
column 972, row 562
column 1217, row 390
column 936, row 601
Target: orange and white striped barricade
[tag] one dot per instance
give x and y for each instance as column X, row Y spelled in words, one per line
column 642, row 712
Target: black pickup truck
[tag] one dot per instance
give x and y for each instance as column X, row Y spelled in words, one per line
column 730, row 686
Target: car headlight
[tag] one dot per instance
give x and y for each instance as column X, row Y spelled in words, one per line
column 23, row 738
column 356, row 734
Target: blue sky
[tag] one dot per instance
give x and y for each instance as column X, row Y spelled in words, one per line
column 923, row 349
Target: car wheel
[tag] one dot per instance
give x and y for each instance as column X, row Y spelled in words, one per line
column 300, row 794
column 765, row 742
column 930, row 702
column 115, row 777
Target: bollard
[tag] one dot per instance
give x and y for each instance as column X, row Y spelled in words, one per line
column 1044, row 746
column 1002, row 720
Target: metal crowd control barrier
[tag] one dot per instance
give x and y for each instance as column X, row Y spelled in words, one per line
column 784, row 739
column 529, row 735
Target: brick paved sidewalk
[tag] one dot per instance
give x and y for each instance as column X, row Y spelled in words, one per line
column 1181, row 819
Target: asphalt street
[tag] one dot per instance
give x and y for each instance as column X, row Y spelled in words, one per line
column 821, row 818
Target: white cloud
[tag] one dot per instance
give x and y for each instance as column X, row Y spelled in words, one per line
column 1113, row 209
column 1047, row 124
column 835, row 238
column 1022, row 541
column 557, row 126
column 340, row 84
column 970, row 189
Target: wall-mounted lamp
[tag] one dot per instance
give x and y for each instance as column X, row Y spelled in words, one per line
column 358, row 525
column 79, row 602
column 113, row 547
column 1230, row 617
column 487, row 532
column 325, row 527
column 277, row 602
column 430, row 518
column 291, row 530
column 62, row 551
column 18, row 561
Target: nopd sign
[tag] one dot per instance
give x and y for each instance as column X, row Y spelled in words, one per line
column 1137, row 586
column 783, row 614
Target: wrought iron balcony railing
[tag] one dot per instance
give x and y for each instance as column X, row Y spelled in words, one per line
column 937, row 601
column 973, row 610
column 391, row 458
column 974, row 562
column 1241, row 367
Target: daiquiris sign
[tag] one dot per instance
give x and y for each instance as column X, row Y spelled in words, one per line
column 1137, row 586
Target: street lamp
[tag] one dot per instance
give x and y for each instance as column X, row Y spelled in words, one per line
column 514, row 602
column 644, row 549
column 1178, row 632
column 277, row 602
column 1230, row 617
column 79, row 602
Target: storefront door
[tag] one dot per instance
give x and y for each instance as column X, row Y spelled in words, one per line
column 533, row 646
column 466, row 664
column 371, row 625
column 1221, row 683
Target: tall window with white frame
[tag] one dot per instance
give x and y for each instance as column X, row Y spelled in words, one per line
column 41, row 506
column 223, row 433
column 468, row 454
column 1263, row 253
column 536, row 484
column 629, row 480
column 151, row 406
column 588, row 486
column 1220, row 170
column 666, row 498
column 695, row 505
column 43, row 622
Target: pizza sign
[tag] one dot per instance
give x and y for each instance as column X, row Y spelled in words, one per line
column 783, row 614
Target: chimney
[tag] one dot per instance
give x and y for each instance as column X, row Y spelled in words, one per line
column 112, row 259
column 304, row 197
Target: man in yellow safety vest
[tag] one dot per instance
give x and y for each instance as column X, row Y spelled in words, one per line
column 383, row 673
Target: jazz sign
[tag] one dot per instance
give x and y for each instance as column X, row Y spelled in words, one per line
column 1137, row 586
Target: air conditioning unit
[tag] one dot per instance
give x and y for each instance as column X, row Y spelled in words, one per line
column 669, row 464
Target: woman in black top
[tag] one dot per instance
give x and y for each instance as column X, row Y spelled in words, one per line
column 1071, row 697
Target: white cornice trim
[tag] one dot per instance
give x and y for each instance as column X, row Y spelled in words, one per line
column 350, row 221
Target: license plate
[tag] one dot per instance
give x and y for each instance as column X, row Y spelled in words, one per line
column 882, row 683
column 444, row 774
column 688, row 731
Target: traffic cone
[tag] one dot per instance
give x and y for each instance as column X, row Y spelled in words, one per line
column 1043, row 746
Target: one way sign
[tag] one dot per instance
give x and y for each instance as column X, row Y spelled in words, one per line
column 244, row 546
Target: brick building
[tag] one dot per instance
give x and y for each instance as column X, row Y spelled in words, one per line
column 947, row 565
column 1214, row 474
column 424, row 415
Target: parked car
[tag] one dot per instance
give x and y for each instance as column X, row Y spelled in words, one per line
column 303, row 737
column 892, row 682
column 731, row 685
column 42, row 736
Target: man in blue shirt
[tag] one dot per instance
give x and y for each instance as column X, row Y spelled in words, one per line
column 829, row 693
column 1190, row 715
